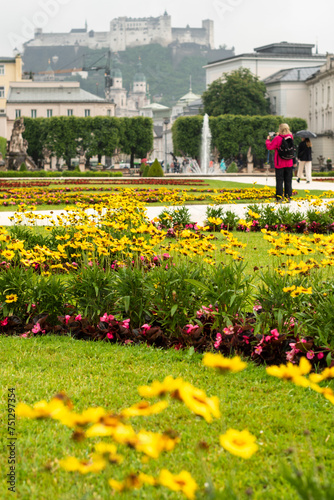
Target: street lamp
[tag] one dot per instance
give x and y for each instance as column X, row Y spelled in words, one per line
column 166, row 122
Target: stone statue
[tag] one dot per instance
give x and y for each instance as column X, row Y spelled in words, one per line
column 250, row 164
column 16, row 141
column 17, row 149
column 82, row 159
column 47, row 160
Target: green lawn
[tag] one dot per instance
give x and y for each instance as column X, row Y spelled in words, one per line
column 291, row 424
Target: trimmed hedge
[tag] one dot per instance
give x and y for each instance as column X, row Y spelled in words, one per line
column 3, row 146
column 231, row 134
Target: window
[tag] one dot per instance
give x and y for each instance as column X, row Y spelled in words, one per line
column 70, row 112
column 34, row 113
column 87, row 112
column 17, row 113
column 108, row 112
column 49, row 113
column 329, row 94
column 2, row 69
column 2, row 92
column 274, row 106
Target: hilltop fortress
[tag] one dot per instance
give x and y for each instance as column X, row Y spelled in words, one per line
column 127, row 32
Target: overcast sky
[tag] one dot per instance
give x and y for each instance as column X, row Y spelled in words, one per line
column 244, row 24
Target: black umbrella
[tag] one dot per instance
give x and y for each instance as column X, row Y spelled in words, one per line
column 305, row 133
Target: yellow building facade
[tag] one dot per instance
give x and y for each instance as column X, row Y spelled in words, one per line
column 10, row 71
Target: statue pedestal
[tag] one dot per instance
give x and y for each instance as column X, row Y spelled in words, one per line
column 47, row 166
column 82, row 167
column 250, row 168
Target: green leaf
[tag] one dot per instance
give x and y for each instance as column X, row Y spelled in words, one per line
column 198, row 284
column 329, row 359
column 173, row 309
column 126, row 301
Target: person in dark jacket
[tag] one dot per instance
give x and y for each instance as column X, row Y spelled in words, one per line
column 305, row 159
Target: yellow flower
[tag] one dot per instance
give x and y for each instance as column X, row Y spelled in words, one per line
column 132, row 482
column 160, row 389
column 288, row 289
column 180, row 482
column 91, row 415
column 223, row 364
column 144, row 409
column 153, row 444
column 197, row 401
column 11, row 298
column 110, row 450
column 55, row 409
column 72, row 464
column 241, row 444
column 300, row 289
column 292, row 372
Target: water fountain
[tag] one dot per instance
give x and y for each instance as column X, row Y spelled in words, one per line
column 206, row 146
column 204, row 168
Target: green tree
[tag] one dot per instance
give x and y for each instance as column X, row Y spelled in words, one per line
column 236, row 93
column 35, row 133
column 155, row 169
column 187, row 136
column 136, row 136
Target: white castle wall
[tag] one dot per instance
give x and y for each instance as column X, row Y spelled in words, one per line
column 129, row 32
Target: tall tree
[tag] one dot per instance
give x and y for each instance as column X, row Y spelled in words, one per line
column 136, row 136
column 236, row 93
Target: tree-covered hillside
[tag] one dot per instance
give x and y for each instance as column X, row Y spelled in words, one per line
column 167, row 69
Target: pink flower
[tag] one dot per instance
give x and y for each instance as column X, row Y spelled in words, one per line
column 145, row 327
column 125, row 323
column 303, row 341
column 257, row 307
column 67, row 319
column 33, row 306
column 78, row 318
column 37, row 328
column 310, row 355
column 24, row 335
column 246, row 339
column 110, row 335
column 90, row 263
column 190, row 328
column 258, row 349
column 229, row 330
column 128, row 341
column 142, row 258
column 166, row 256
column 218, row 340
column 106, row 319
column 274, row 333
column 320, row 355
column 4, row 321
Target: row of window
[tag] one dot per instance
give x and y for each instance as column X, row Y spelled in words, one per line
column 2, row 69
column 49, row 113
column 322, row 94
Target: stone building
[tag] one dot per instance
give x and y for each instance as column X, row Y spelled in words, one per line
column 267, row 60
column 320, row 110
column 129, row 32
column 288, row 91
column 10, row 71
column 47, row 99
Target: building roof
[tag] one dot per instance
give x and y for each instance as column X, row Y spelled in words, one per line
column 50, row 94
column 277, row 50
column 155, row 106
column 7, row 59
column 291, row 75
column 188, row 98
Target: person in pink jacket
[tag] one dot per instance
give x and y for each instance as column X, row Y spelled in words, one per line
column 283, row 168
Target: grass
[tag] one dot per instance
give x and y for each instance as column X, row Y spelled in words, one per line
column 292, row 424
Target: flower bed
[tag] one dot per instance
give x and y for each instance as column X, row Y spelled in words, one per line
column 117, row 278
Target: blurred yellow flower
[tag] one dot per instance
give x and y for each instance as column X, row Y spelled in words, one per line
column 180, row 482
column 224, row 364
column 242, row 444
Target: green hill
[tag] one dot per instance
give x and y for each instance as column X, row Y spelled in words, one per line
column 167, row 69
